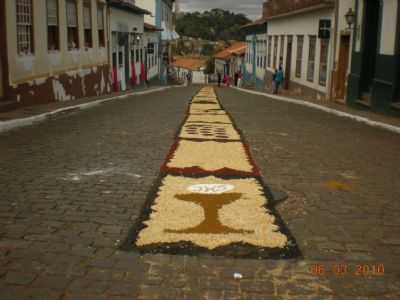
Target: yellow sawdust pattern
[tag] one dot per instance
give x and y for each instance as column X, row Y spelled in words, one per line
column 246, row 214
column 180, row 214
column 210, row 156
column 334, row 185
column 209, row 119
column 209, row 131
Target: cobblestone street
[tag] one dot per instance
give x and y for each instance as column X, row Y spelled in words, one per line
column 71, row 189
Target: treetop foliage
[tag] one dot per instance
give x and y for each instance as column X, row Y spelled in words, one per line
column 213, row 25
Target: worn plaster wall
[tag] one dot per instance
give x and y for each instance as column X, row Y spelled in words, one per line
column 55, row 75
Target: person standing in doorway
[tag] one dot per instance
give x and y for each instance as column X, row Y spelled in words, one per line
column 219, row 79
column 278, row 79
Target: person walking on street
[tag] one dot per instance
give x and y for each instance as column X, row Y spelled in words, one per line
column 278, row 79
column 240, row 79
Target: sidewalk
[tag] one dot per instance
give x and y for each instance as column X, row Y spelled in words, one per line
column 365, row 116
column 25, row 116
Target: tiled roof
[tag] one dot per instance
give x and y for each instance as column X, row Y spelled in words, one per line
column 255, row 23
column 238, row 48
column 193, row 64
column 149, row 27
column 126, row 5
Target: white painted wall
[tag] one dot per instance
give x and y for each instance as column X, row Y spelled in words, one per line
column 305, row 24
column 123, row 21
column 219, row 66
column 149, row 5
column 153, row 70
column 388, row 29
column 198, row 77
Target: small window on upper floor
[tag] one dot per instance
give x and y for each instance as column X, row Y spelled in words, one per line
column 87, row 23
column 24, row 11
column 72, row 25
column 53, row 39
column 100, row 25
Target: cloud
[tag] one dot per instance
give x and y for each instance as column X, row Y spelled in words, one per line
column 252, row 8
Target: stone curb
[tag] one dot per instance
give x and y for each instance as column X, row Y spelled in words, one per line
column 339, row 113
column 28, row 121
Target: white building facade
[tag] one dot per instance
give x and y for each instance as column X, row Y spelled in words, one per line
column 162, row 17
column 301, row 42
column 127, row 50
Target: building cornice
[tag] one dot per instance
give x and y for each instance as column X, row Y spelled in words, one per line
column 302, row 11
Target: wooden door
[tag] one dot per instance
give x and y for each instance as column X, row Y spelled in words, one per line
column 288, row 62
column 341, row 79
column 1, row 76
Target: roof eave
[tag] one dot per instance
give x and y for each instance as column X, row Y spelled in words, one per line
column 128, row 7
column 302, row 11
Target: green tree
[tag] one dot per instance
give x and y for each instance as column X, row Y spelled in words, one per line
column 214, row 25
column 208, row 50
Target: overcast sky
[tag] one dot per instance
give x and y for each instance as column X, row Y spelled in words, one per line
column 251, row 8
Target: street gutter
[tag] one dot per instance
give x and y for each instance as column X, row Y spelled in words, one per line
column 28, row 121
column 336, row 112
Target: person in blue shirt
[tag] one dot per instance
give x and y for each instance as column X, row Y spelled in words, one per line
column 278, row 79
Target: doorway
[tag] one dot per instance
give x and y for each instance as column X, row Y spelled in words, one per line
column 288, row 61
column 121, row 67
column 370, row 46
column 1, row 76
column 343, row 65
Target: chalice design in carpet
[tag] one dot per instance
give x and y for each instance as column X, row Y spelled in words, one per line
column 210, row 196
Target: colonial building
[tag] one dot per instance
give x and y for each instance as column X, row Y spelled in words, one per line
column 195, row 66
column 300, row 41
column 230, row 60
column 152, row 40
column 374, row 79
column 256, row 53
column 128, row 49
column 162, row 16
column 53, row 50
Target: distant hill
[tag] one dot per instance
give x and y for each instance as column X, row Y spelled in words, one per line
column 213, row 25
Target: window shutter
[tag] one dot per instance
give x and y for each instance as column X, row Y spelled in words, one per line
column 52, row 13
column 87, row 20
column 72, row 16
column 100, row 17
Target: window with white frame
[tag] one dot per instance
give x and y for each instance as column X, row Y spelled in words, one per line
column 87, row 23
column 72, row 24
column 53, row 41
column 323, row 66
column 100, row 25
column 311, row 58
column 299, row 55
column 24, row 14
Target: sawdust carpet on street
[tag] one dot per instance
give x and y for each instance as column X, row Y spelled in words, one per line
column 189, row 213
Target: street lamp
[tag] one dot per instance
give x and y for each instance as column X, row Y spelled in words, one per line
column 136, row 37
column 350, row 17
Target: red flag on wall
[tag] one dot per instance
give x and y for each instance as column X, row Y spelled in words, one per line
column 134, row 77
column 115, row 79
column 142, row 73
